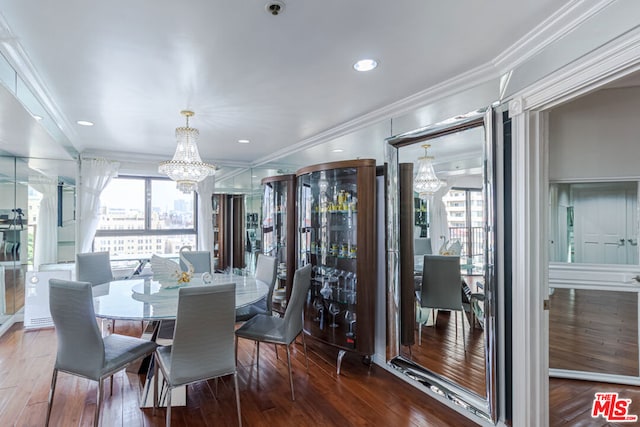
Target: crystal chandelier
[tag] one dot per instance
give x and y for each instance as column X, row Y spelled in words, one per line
column 426, row 183
column 186, row 167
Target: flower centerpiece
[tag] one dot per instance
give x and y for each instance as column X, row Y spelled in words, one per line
column 168, row 273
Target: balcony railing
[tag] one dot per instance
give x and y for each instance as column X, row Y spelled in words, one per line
column 472, row 240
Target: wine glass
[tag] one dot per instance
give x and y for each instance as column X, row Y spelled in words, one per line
column 326, row 291
column 350, row 318
column 319, row 306
column 334, row 309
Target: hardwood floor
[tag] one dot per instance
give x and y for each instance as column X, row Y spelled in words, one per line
column 442, row 351
column 361, row 395
column 593, row 331
column 571, row 401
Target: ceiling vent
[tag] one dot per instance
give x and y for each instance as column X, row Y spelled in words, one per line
column 274, row 8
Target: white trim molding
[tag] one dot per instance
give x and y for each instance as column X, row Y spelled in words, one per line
column 530, row 367
column 565, row 20
column 606, row 64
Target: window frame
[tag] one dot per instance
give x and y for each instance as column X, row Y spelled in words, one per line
column 147, row 230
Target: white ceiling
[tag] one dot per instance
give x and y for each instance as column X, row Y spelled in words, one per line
column 131, row 66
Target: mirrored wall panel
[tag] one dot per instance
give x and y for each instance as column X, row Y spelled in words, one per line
column 444, row 264
column 594, row 222
column 37, row 221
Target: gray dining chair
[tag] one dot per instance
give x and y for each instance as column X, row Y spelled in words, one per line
column 82, row 351
column 202, row 341
column 201, row 261
column 422, row 246
column 93, row 267
column 266, row 270
column 281, row 330
column 441, row 288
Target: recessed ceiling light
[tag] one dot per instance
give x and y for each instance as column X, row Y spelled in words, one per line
column 337, row 150
column 37, row 117
column 84, row 123
column 365, row 65
column 243, row 141
column 254, row 176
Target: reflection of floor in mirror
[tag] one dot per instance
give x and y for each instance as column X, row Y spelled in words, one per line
column 594, row 331
column 442, row 351
column 14, row 288
column 571, row 402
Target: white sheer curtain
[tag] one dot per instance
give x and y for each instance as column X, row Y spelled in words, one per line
column 205, row 212
column 95, row 174
column 45, row 247
column 438, row 221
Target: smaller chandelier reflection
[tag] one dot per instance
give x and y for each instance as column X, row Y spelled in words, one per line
column 426, row 183
column 186, row 167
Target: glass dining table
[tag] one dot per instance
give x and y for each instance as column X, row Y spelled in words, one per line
column 147, row 300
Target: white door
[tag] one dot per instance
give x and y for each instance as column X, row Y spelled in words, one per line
column 600, row 229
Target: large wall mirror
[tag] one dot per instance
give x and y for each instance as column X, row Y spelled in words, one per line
column 441, row 256
column 37, row 222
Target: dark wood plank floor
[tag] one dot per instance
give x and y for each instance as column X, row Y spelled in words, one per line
column 361, row 396
column 594, row 331
column 442, row 351
column 571, row 401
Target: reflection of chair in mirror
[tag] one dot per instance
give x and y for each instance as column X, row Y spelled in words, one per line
column 201, row 261
column 441, row 288
column 422, row 246
column 11, row 241
column 265, row 272
column 81, row 349
column 202, row 342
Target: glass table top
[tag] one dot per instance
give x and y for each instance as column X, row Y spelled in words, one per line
column 146, row 299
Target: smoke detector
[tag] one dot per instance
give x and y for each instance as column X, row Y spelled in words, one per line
column 274, row 7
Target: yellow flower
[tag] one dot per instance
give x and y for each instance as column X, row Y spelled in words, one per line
column 184, row 277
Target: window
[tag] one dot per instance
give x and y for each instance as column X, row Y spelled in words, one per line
column 141, row 216
column 465, row 213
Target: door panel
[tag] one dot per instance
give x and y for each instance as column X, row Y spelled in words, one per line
column 600, row 227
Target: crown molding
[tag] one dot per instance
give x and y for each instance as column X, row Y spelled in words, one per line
column 152, row 158
column 565, row 20
column 457, row 84
column 610, row 62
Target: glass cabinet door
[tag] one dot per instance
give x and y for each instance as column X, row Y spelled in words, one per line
column 331, row 238
column 217, row 223
column 278, row 231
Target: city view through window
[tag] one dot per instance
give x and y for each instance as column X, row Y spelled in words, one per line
column 140, row 217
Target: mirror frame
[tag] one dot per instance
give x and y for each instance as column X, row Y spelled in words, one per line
column 482, row 407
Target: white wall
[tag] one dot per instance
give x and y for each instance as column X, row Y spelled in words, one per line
column 596, row 137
